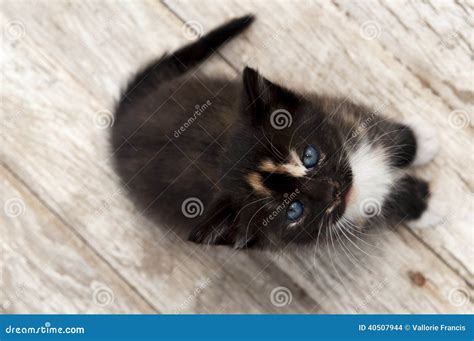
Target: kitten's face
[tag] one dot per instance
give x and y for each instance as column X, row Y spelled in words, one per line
column 287, row 174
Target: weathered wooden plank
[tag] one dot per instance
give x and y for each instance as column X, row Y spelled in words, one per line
column 46, row 268
column 388, row 272
column 61, row 79
column 74, row 72
column 314, row 46
column 432, row 39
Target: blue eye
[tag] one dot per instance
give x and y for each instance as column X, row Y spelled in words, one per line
column 310, row 157
column 295, row 210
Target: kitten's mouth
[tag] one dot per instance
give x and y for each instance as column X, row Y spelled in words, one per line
column 340, row 204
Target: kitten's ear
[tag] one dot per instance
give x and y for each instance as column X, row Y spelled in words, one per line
column 263, row 96
column 216, row 226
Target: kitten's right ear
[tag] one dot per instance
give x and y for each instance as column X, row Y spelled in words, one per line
column 263, row 96
column 255, row 89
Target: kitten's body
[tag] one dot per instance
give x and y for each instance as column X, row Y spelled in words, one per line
column 163, row 165
column 180, row 136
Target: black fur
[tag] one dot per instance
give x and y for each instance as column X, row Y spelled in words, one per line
column 408, row 200
column 180, row 136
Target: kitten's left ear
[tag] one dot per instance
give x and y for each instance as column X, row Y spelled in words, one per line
column 217, row 226
column 263, row 96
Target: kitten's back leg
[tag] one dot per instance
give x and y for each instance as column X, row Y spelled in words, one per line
column 409, row 144
column 408, row 200
column 427, row 143
column 412, row 202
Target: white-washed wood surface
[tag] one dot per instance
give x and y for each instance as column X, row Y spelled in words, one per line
column 77, row 235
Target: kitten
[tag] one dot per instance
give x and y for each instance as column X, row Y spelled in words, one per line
column 249, row 163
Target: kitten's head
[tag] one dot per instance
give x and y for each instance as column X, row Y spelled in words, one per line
column 285, row 172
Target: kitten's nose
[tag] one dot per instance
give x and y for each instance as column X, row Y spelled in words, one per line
column 336, row 190
column 327, row 191
column 331, row 191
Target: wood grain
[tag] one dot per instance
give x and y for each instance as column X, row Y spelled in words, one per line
column 64, row 65
column 47, row 268
column 68, row 166
column 349, row 62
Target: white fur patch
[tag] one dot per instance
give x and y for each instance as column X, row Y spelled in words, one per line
column 427, row 142
column 372, row 181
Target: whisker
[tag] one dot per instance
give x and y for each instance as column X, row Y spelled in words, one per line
column 251, row 218
column 357, row 246
column 253, row 202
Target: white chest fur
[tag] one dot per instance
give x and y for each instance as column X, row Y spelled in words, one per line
column 373, row 178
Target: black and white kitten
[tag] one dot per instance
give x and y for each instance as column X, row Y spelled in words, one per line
column 250, row 163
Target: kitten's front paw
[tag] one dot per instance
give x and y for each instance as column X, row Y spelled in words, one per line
column 433, row 215
column 427, row 143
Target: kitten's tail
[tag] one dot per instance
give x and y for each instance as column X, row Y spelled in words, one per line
column 184, row 59
column 195, row 53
